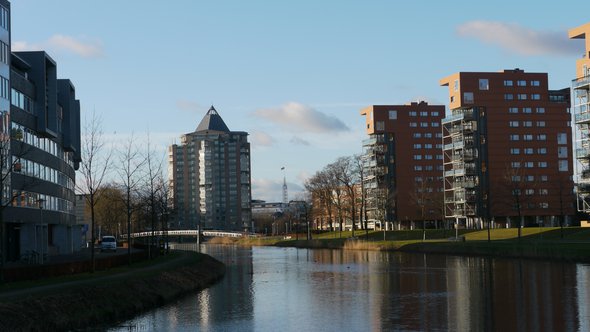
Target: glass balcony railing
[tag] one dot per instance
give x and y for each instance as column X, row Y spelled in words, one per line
column 582, row 153
column 580, row 82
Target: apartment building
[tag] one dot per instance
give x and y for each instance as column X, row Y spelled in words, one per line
column 209, row 176
column 507, row 150
column 403, row 164
column 581, row 105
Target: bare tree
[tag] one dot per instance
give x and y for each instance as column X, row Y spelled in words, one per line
column 131, row 163
column 152, row 188
column 93, row 168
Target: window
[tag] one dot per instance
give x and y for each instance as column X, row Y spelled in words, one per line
column 535, row 83
column 392, row 115
column 541, row 137
column 527, row 123
column 484, row 84
column 540, row 110
column 508, row 83
column 434, row 113
column 542, row 150
column 508, row 96
column 544, row 205
column 417, row 146
column 438, row 135
column 563, row 165
column 528, row 150
column 543, row 192
column 427, row 135
column 513, row 124
column 513, row 110
column 542, row 164
column 423, row 113
column 561, row 138
column 529, row 164
column 562, row 152
column 516, row 178
column 529, row 192
column 536, row 96
column 428, row 146
column 413, row 124
column 428, row 168
column 434, row 124
column 514, row 151
column 417, row 168
column 380, row 125
column 521, row 96
column 527, row 137
column 514, row 137
column 424, row 124
column 428, row 157
column 412, row 113
column 521, row 83
column 515, row 164
column 456, row 85
column 529, row 178
column 516, row 191
column 417, row 135
column 527, row 110
column 452, row 99
column 439, row 157
column 544, row 178
column 417, row 157
column 540, row 123
column 468, row 97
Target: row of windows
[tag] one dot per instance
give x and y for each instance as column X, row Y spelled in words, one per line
column 424, row 124
column 528, row 124
column 522, row 96
column 424, row 113
column 28, row 136
column 522, row 83
column 528, row 137
column 426, row 135
column 428, row 157
column 428, row 168
column 427, row 146
column 528, row 151
column 33, row 169
column 22, row 101
column 46, row 202
column 4, row 23
column 526, row 110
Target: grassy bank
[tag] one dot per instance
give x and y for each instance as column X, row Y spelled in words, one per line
column 93, row 300
column 551, row 243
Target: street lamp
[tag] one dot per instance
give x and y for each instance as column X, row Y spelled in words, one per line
column 41, row 202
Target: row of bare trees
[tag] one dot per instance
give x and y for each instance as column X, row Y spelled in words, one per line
column 124, row 186
column 337, row 193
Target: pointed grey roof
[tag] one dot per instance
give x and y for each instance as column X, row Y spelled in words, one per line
column 212, row 121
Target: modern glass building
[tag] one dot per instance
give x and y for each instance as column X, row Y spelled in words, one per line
column 40, row 152
column 209, row 176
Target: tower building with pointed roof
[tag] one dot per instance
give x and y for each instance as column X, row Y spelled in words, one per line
column 209, row 177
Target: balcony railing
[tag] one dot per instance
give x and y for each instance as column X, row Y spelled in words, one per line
column 580, row 82
column 582, row 117
column 582, row 153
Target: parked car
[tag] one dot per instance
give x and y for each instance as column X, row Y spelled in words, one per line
column 108, row 243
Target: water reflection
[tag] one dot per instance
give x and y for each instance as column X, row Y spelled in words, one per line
column 286, row 289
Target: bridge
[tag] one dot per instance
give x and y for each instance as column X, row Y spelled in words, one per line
column 188, row 232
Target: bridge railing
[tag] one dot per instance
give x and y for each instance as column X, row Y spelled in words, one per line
column 186, row 232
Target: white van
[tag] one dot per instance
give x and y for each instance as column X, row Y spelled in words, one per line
column 108, row 243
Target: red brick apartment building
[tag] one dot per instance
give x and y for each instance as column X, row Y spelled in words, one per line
column 507, row 150
column 403, row 164
column 581, row 104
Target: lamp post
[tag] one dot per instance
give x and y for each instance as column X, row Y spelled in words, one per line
column 41, row 202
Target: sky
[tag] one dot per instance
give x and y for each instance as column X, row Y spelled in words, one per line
column 293, row 74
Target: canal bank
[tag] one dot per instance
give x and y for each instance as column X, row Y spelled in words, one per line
column 106, row 298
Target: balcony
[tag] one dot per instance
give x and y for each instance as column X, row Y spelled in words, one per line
column 583, row 116
column 583, row 188
column 582, row 82
column 582, row 153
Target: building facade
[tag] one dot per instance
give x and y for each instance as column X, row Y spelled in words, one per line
column 40, row 152
column 210, row 177
column 581, row 105
column 507, row 150
column 403, row 164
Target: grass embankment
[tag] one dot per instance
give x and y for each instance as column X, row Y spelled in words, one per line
column 572, row 244
column 79, row 301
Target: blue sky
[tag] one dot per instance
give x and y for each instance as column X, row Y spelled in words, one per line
column 293, row 74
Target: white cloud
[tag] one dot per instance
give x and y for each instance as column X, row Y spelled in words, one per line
column 300, row 118
column 261, row 139
column 518, row 39
column 62, row 43
column 299, row 141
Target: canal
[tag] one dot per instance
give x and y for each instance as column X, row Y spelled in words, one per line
column 288, row 289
